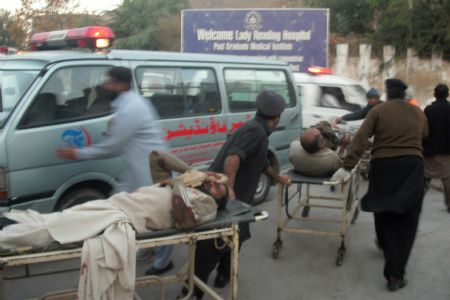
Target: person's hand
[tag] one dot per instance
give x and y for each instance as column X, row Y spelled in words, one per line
column 231, row 193
column 284, row 180
column 341, row 175
column 67, row 153
column 166, row 182
column 336, row 121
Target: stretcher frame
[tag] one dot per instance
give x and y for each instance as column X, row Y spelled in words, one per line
column 225, row 230
column 346, row 201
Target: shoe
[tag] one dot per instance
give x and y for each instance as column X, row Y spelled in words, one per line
column 394, row 284
column 221, row 281
column 448, row 210
column 156, row 271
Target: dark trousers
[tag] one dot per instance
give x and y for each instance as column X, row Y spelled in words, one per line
column 213, row 253
column 207, row 258
column 396, row 233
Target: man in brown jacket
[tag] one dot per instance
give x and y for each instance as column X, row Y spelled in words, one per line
column 396, row 180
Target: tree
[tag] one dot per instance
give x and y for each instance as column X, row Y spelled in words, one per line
column 6, row 25
column 135, row 22
column 348, row 16
column 45, row 15
column 430, row 26
column 11, row 33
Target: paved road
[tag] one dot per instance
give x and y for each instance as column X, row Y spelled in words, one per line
column 306, row 268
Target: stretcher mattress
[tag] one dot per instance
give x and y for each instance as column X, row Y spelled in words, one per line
column 235, row 212
column 298, row 178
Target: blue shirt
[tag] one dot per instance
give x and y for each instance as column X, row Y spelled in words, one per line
column 133, row 133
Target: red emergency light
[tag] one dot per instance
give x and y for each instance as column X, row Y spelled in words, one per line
column 7, row 50
column 319, row 70
column 92, row 37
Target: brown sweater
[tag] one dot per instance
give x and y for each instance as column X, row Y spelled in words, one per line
column 398, row 129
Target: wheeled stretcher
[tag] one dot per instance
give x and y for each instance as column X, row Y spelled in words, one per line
column 294, row 216
column 225, row 227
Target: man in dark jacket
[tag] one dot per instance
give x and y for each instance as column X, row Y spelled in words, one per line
column 373, row 98
column 396, row 179
column 437, row 144
column 243, row 158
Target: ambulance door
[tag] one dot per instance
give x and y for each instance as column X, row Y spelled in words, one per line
column 187, row 99
column 68, row 109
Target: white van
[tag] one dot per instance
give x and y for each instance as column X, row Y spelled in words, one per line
column 326, row 97
column 51, row 99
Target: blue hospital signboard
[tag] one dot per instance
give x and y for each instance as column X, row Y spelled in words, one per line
column 296, row 36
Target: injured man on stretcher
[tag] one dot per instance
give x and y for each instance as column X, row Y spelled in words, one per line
column 155, row 207
column 314, row 153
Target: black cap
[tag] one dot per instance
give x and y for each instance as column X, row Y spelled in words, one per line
column 270, row 104
column 396, row 84
column 121, row 74
column 395, row 88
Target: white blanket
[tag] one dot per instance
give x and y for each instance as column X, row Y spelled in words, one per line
column 108, row 265
column 71, row 225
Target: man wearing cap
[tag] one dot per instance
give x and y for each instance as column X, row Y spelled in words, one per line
column 436, row 147
column 373, row 98
column 243, row 158
column 396, row 180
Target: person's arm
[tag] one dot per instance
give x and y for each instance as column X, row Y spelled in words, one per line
column 357, row 115
column 230, row 168
column 360, row 140
column 123, row 125
column 246, row 143
column 275, row 175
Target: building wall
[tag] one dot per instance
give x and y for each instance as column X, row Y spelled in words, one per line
column 422, row 74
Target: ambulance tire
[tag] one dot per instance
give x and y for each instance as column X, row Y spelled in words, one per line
column 262, row 190
column 78, row 196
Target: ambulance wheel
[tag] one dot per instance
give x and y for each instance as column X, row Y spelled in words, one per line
column 78, row 196
column 262, row 189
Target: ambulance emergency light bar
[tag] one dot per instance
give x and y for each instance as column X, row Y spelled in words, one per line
column 314, row 70
column 91, row 37
column 7, row 50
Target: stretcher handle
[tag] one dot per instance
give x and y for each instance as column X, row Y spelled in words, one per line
column 261, row 216
column 332, row 182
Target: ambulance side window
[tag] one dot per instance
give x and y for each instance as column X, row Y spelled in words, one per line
column 334, row 97
column 243, row 85
column 179, row 92
column 70, row 94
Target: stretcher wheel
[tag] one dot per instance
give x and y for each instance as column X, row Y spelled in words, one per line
column 277, row 248
column 340, row 258
column 305, row 212
column 355, row 215
column 340, row 255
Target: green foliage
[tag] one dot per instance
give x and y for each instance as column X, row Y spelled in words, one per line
column 431, row 26
column 421, row 24
column 11, row 32
column 6, row 24
column 135, row 22
column 348, row 16
column 395, row 26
